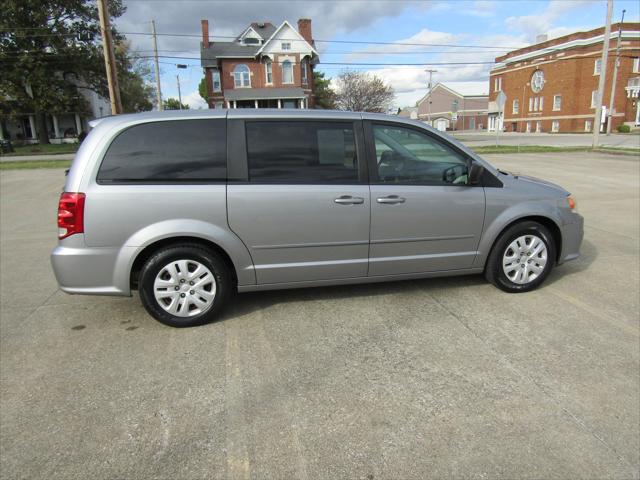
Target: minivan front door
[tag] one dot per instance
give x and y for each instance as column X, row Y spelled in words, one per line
column 303, row 209
column 424, row 217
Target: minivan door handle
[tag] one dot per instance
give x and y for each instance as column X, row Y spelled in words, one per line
column 390, row 199
column 349, row 200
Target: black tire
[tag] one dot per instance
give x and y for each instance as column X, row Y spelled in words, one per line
column 185, row 251
column 494, row 272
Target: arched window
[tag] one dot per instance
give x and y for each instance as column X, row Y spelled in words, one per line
column 268, row 71
column 287, row 72
column 241, row 76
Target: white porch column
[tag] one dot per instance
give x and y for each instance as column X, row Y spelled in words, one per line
column 235, row 104
column 256, row 103
column 32, row 124
column 78, row 124
column 56, row 128
column 279, row 103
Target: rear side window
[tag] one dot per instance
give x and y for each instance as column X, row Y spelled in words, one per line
column 301, row 152
column 167, row 152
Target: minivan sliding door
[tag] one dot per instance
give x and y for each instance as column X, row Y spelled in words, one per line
column 299, row 199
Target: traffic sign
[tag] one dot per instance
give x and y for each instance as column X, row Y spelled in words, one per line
column 501, row 100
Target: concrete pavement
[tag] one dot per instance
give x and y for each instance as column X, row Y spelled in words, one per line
column 37, row 157
column 475, row 139
column 422, row 379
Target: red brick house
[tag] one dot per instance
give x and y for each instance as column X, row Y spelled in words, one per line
column 552, row 86
column 264, row 67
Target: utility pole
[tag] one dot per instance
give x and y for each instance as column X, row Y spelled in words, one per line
column 109, row 58
column 155, row 59
column 430, row 72
column 597, row 118
column 179, row 94
column 615, row 77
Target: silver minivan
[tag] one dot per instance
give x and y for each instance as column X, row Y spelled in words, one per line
column 190, row 207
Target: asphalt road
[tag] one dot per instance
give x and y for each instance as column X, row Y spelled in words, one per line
column 421, row 379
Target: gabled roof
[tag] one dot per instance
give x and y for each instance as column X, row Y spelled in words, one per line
column 300, row 37
column 461, row 89
column 235, row 49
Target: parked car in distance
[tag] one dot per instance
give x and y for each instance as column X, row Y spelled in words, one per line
column 189, row 207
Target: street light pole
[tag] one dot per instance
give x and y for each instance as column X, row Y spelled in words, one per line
column 615, row 77
column 155, row 60
column 597, row 118
column 430, row 72
column 179, row 94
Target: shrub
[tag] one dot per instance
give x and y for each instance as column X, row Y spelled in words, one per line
column 624, row 128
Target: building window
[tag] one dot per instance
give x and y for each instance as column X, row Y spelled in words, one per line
column 535, row 104
column 528, row 127
column 268, row 71
column 636, row 65
column 497, row 84
column 286, row 45
column 531, row 104
column 594, row 98
column 597, row 66
column 538, row 126
column 557, row 102
column 555, row 126
column 587, row 125
column 241, row 76
column 540, row 105
column 287, row 72
column 216, row 81
column 303, row 71
column 516, row 107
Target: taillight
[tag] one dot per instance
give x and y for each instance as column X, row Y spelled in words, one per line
column 70, row 214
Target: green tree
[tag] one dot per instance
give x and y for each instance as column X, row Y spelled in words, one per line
column 174, row 104
column 202, row 90
column 324, row 94
column 134, row 79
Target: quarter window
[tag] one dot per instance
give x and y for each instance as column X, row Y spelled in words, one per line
column 167, row 152
column 407, row 156
column 241, row 76
column 301, row 152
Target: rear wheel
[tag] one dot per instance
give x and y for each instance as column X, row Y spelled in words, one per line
column 521, row 258
column 184, row 285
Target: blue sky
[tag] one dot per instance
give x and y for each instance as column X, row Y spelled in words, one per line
column 493, row 26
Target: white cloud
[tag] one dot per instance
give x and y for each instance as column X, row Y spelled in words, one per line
column 423, row 37
column 542, row 22
column 194, row 100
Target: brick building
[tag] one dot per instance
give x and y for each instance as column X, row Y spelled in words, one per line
column 551, row 86
column 455, row 106
column 264, row 67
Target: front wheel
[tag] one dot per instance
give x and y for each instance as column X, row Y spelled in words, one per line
column 521, row 258
column 184, row 285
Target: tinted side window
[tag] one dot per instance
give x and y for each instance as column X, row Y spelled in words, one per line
column 166, row 152
column 404, row 155
column 301, row 152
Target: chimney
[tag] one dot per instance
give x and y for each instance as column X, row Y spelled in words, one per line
column 543, row 37
column 304, row 29
column 205, row 33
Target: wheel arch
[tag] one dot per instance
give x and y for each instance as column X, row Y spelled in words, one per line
column 152, row 248
column 545, row 221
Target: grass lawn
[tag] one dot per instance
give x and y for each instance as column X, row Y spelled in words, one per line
column 49, row 149
column 20, row 165
column 546, row 149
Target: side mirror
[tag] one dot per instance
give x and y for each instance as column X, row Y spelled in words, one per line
column 475, row 174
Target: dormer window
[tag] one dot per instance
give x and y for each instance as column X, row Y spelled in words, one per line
column 286, row 45
column 251, row 41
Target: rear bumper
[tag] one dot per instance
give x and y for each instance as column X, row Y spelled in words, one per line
column 572, row 235
column 90, row 271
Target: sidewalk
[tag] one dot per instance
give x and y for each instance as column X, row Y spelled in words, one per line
column 36, row 158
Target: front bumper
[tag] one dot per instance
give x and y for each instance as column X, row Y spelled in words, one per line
column 572, row 235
